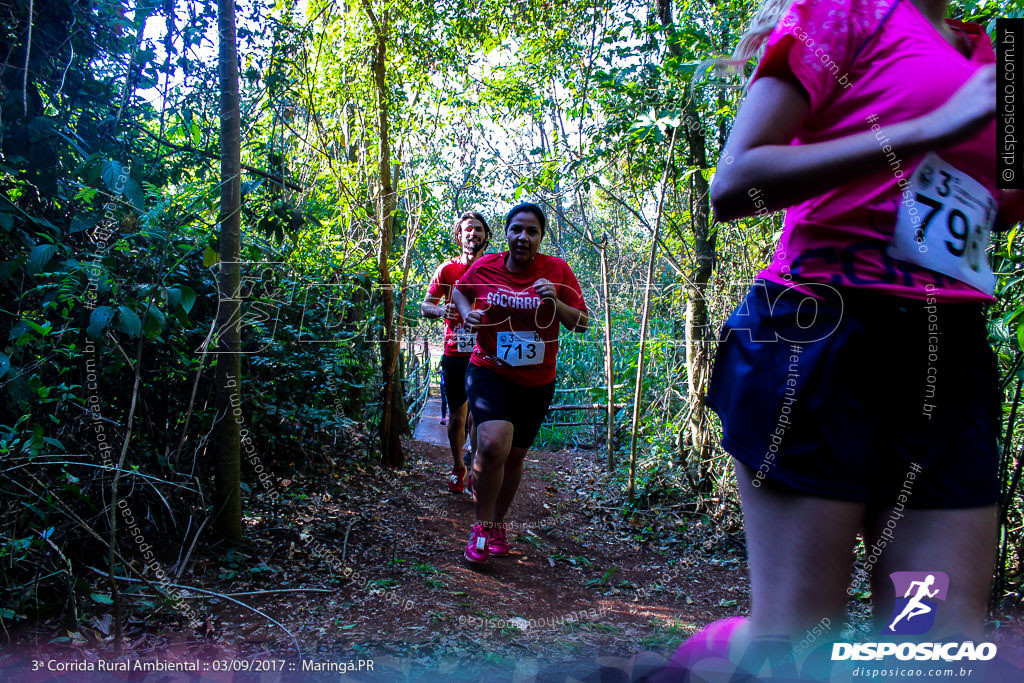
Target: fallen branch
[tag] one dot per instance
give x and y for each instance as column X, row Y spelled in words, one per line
column 184, row 563
column 295, row 642
column 277, row 590
column 111, row 468
column 344, row 546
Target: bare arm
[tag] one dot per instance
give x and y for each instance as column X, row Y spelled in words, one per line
column 465, row 308
column 762, row 158
column 430, row 309
column 574, row 319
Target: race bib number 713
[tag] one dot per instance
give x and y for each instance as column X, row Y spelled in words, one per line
column 520, row 348
column 944, row 224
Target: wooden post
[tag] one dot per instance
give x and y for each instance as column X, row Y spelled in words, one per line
column 609, row 368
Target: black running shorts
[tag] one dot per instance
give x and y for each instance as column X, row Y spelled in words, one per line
column 454, row 369
column 860, row 396
column 493, row 397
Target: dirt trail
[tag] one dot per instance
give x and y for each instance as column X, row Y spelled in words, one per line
column 577, row 586
column 360, row 564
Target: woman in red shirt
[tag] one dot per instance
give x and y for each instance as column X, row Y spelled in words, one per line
column 516, row 301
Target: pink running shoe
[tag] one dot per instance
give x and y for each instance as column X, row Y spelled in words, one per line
column 498, row 546
column 476, row 549
column 710, row 643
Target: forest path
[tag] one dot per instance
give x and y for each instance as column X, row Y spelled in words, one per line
column 361, row 563
column 366, row 564
column 429, row 429
column 579, row 590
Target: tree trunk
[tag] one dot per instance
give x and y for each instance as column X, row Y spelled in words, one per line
column 559, row 225
column 394, row 421
column 609, row 367
column 601, row 247
column 412, row 226
column 698, row 337
column 638, row 390
column 698, row 333
column 638, row 387
column 227, row 499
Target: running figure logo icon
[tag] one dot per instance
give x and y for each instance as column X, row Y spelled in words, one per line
column 914, row 612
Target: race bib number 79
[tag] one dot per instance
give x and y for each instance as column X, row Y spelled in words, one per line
column 944, row 223
column 520, row 348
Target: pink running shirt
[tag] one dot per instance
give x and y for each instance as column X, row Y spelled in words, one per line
column 880, row 59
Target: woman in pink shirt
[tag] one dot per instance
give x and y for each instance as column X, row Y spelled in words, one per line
column 855, row 384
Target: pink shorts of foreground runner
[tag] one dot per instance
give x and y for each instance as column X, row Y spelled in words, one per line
column 707, row 649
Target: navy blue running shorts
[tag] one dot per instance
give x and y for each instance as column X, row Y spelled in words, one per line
column 493, row 397
column 859, row 396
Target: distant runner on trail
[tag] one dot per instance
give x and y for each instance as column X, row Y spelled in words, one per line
column 876, row 406
column 515, row 300
column 472, row 234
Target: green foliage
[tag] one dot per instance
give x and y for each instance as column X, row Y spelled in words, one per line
column 108, row 211
column 109, row 201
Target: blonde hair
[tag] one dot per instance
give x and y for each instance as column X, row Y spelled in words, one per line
column 751, row 45
column 761, row 26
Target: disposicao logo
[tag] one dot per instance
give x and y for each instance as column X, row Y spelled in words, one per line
column 914, row 613
column 917, row 596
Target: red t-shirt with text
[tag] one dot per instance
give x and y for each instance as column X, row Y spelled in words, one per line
column 445, row 277
column 518, row 337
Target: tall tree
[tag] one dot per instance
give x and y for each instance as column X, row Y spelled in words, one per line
column 394, row 421
column 698, row 331
column 227, row 500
